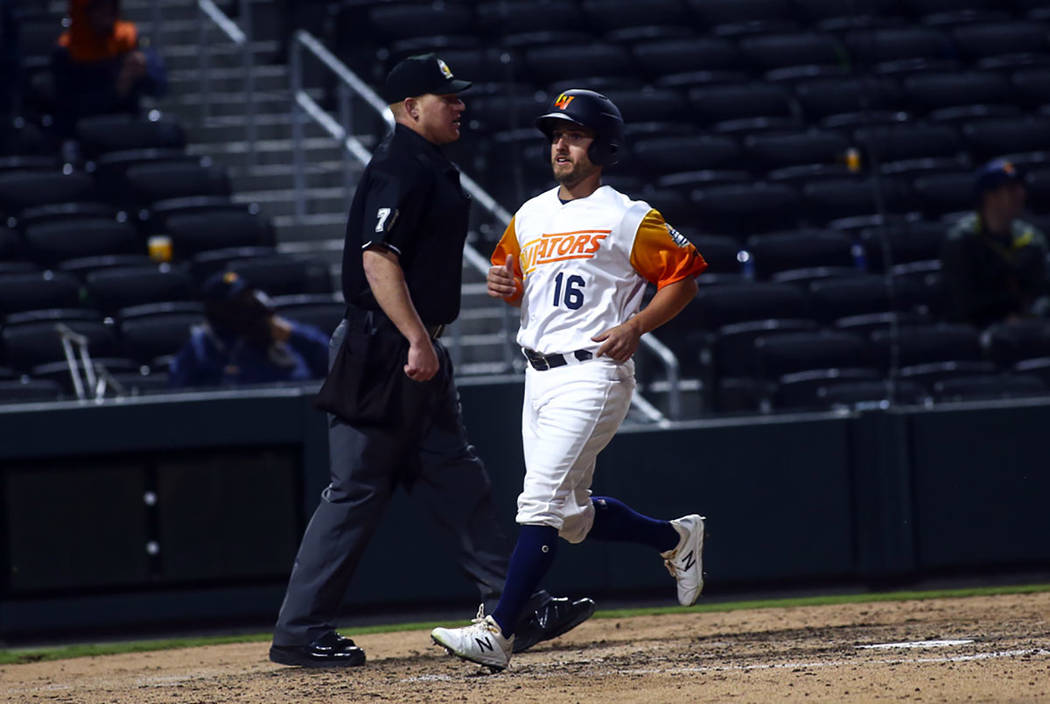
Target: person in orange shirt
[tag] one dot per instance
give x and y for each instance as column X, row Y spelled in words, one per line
column 100, row 65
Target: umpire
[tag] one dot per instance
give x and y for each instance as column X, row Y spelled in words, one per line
column 392, row 405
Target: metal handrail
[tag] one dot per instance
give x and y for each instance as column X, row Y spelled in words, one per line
column 242, row 39
column 305, row 106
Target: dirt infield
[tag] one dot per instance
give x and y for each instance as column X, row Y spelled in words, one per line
column 982, row 649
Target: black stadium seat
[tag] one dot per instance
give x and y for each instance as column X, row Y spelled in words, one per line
column 110, row 133
column 123, row 286
column 980, row 39
column 830, row 199
column 747, row 208
column 918, row 8
column 58, row 240
column 940, row 193
column 874, row 46
column 777, row 149
column 32, row 337
column 605, row 15
column 770, row 51
column 551, row 63
column 852, row 393
column 501, row 17
column 36, row 290
column 154, row 330
column 923, row 344
column 284, row 274
column 1032, row 85
column 720, row 12
column 908, row 140
column 404, row 20
column 664, row 155
column 821, row 97
column 908, row 242
column 26, row 189
column 1009, row 343
column 716, row 306
column 27, row 390
column 930, row 91
column 161, row 180
column 806, row 389
column 817, row 10
column 323, row 311
column 659, row 104
column 786, row 353
column 990, row 138
column 989, row 386
column 782, row 251
column 833, row 299
column 703, row 53
column 727, row 102
column 217, row 229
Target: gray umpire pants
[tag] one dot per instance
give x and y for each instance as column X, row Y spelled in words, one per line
column 452, row 483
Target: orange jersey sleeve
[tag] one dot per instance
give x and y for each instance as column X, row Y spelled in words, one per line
column 506, row 247
column 661, row 254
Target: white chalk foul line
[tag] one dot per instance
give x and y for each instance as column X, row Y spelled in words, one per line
column 772, row 666
column 917, row 644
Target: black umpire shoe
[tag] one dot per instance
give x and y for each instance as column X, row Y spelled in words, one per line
column 330, row 650
column 557, row 616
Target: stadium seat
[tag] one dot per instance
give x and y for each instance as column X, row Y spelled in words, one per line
column 732, row 348
column 756, row 125
column 501, row 17
column 829, row 199
column 988, row 386
column 939, row 193
column 69, row 210
column 821, row 97
column 324, row 311
column 35, row 162
column 721, row 12
column 807, row 389
column 961, row 114
column 804, row 276
column 702, row 53
column 57, row 240
column 818, row 10
column 1037, row 181
column 778, row 149
column 161, row 180
column 720, row 253
column 606, row 15
column 747, row 208
column 674, row 205
column 36, row 290
column 918, row 8
column 987, row 139
column 549, row 63
column 10, row 244
column 26, row 189
column 118, row 287
column 980, row 39
column 59, row 373
column 699, row 79
column 194, row 232
column 1032, row 85
column 82, row 266
column 504, row 112
column 930, row 91
column 900, row 68
column 284, row 274
column 1009, row 343
column 110, row 133
column 874, row 46
column 717, row 306
column 204, row 264
column 777, row 252
column 649, row 32
column 866, row 393
column 153, row 330
column 908, row 242
column 923, row 344
column 28, row 390
column 771, row 51
column 17, row 266
column 833, row 299
column 664, row 155
column 659, row 104
column 685, row 181
column 727, row 102
column 785, row 353
column 404, row 20
column 867, row 323
column 899, row 141
column 801, row 174
column 32, row 337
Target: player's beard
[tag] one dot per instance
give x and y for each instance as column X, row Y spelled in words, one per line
column 579, row 171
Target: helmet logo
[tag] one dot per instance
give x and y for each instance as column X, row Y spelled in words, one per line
column 563, row 101
column 445, row 70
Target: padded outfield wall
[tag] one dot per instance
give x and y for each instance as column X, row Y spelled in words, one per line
column 187, row 509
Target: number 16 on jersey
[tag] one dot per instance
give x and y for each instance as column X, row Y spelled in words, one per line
column 573, row 293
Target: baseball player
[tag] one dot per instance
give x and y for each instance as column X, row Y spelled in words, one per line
column 576, row 259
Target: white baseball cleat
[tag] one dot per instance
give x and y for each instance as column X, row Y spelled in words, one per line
column 482, row 642
column 686, row 561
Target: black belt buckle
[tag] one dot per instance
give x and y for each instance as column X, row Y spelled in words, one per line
column 543, row 362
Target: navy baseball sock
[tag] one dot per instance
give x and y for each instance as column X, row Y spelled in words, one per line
column 532, row 557
column 616, row 521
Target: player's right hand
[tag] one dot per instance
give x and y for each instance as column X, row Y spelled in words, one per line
column 422, row 362
column 502, row 283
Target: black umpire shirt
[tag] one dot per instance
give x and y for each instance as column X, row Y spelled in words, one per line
column 410, row 201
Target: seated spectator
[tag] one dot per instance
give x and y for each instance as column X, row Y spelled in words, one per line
column 244, row 342
column 99, row 65
column 994, row 263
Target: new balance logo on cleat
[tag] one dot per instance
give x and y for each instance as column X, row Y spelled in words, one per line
column 481, row 642
column 685, row 562
column 689, row 561
column 485, row 644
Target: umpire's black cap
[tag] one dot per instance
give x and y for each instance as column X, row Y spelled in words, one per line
column 418, row 75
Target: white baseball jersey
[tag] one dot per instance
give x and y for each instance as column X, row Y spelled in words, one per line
column 585, row 264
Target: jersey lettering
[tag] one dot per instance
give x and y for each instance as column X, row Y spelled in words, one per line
column 557, row 247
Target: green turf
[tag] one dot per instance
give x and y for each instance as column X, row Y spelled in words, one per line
column 15, row 656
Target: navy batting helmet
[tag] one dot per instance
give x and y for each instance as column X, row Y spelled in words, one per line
column 590, row 109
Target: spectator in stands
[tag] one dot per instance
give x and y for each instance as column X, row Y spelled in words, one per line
column 994, row 263
column 244, row 342
column 100, row 66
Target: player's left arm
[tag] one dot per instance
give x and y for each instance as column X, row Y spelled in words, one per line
column 663, row 256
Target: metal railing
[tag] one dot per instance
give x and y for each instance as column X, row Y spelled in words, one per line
column 304, row 106
column 242, row 39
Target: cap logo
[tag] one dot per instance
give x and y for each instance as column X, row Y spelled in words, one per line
column 229, row 277
column 445, row 70
column 1009, row 168
column 563, row 101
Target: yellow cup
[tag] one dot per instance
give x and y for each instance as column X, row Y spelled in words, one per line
column 160, row 248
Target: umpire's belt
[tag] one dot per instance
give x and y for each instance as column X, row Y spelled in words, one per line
column 376, row 319
column 543, row 362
